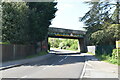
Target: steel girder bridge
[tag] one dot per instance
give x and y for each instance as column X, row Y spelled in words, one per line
column 70, row 34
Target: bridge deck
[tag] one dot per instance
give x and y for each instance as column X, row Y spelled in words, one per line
column 65, row 33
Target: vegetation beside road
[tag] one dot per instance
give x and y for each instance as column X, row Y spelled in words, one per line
column 4, row 43
column 103, row 28
column 38, row 54
column 114, row 59
column 67, row 44
column 26, row 22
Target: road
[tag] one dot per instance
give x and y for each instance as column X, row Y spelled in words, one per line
column 67, row 66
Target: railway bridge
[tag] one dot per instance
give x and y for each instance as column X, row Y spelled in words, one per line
column 69, row 34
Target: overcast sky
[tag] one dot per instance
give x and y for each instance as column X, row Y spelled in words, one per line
column 68, row 14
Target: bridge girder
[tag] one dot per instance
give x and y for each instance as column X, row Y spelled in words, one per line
column 65, row 33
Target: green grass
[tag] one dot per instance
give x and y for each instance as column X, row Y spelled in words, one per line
column 90, row 53
column 107, row 58
column 4, row 43
column 71, row 49
column 38, row 54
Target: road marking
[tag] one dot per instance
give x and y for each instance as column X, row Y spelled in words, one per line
column 24, row 77
column 61, row 60
column 83, row 72
column 66, row 57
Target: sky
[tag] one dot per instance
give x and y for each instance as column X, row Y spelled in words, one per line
column 68, row 14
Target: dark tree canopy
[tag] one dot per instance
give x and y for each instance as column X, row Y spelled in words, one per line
column 26, row 23
column 102, row 25
column 40, row 19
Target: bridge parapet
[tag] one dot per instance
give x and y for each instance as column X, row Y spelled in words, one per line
column 65, row 32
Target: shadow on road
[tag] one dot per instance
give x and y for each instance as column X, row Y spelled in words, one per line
column 60, row 79
column 59, row 59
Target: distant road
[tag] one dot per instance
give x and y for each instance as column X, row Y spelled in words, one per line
column 62, row 51
column 58, row 66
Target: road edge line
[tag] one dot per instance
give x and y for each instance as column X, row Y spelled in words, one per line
column 83, row 71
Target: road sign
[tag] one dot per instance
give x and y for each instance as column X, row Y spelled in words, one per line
column 118, row 44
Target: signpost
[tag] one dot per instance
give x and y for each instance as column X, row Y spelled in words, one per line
column 118, row 47
column 118, row 44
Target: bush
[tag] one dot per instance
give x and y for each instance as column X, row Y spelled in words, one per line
column 69, row 44
column 116, row 56
column 114, row 53
column 114, row 59
column 74, row 47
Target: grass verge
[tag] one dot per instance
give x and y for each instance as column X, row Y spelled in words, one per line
column 107, row 58
column 113, row 58
column 90, row 53
column 38, row 54
column 4, row 43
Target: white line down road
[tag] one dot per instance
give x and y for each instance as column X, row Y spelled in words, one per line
column 68, row 66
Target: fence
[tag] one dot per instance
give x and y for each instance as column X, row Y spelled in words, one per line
column 12, row 52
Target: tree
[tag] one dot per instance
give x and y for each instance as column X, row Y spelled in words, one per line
column 14, row 22
column 54, row 42
column 40, row 19
column 64, row 43
column 26, row 23
column 101, row 23
column 0, row 23
column 107, row 36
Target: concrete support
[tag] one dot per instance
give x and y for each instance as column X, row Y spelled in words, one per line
column 82, row 45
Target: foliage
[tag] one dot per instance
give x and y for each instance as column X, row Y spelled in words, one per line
column 26, row 23
column 69, row 44
column 4, row 43
column 74, row 47
column 90, row 53
column 38, row 54
column 103, row 27
column 14, row 19
column 40, row 19
column 54, row 42
column 110, row 58
column 107, row 35
column 115, row 53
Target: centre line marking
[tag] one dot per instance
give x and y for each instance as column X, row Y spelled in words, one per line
column 65, row 57
column 61, row 60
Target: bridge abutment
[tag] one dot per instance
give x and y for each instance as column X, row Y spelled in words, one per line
column 82, row 45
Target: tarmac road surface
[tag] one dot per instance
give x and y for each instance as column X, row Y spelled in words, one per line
column 65, row 67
